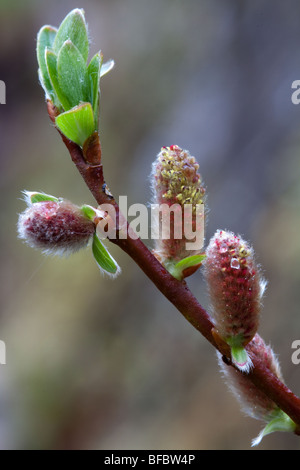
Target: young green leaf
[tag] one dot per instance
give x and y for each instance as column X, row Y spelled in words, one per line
column 239, row 355
column 42, row 197
column 94, row 70
column 103, row 258
column 77, row 124
column 73, row 28
column 178, row 269
column 89, row 211
column 72, row 74
column 51, row 61
column 45, row 38
column 281, row 422
column 31, row 197
column 241, row 358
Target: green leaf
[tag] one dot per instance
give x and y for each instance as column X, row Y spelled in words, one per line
column 103, row 257
column 281, row 422
column 190, row 261
column 89, row 211
column 45, row 38
column 73, row 28
column 239, row 354
column 77, row 124
column 72, row 75
column 41, row 197
column 177, row 269
column 51, row 61
column 240, row 358
column 94, row 70
column 31, row 197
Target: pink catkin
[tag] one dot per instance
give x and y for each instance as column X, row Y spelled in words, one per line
column 176, row 182
column 235, row 286
column 55, row 227
column 254, row 402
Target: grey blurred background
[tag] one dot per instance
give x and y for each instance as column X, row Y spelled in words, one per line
column 100, row 364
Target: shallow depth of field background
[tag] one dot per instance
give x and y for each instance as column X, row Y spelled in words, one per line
column 96, row 364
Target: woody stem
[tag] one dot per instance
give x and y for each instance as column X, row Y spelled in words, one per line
column 177, row 292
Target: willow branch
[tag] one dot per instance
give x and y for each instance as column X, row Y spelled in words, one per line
column 177, row 292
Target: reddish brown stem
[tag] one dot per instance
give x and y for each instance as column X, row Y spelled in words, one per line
column 177, row 292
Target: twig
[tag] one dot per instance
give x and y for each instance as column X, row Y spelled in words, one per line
column 177, row 292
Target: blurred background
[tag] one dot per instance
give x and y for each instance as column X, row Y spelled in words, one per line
column 100, row 364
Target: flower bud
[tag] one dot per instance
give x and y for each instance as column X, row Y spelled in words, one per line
column 235, row 287
column 53, row 225
column 179, row 194
column 253, row 401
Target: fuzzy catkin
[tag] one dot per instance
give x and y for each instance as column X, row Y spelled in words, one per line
column 176, row 183
column 253, row 401
column 55, row 227
column 235, row 286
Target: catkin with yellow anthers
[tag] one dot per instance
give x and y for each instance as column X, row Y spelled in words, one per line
column 176, row 184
